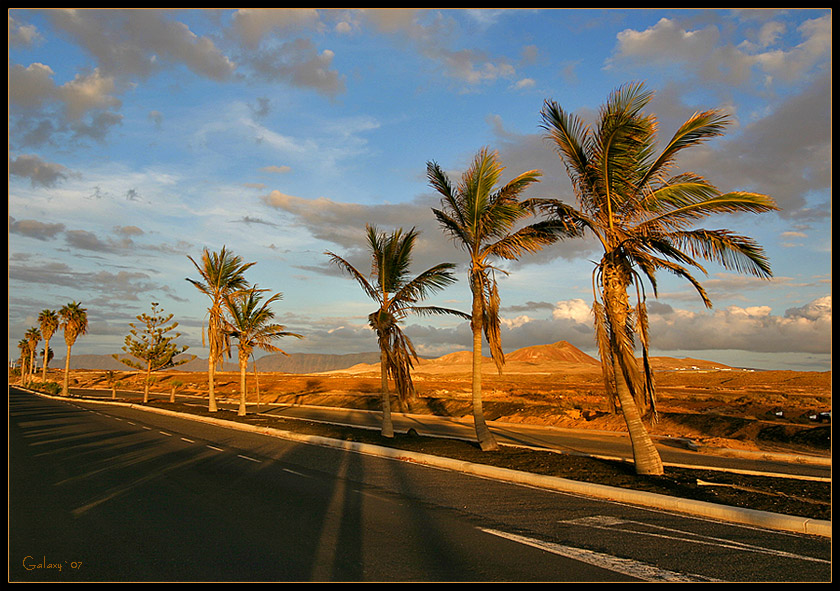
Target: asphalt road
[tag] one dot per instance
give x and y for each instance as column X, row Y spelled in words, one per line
column 109, row 493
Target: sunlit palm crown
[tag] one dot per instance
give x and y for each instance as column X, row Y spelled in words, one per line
column 390, row 284
column 632, row 200
column 251, row 321
column 48, row 321
column 480, row 216
column 221, row 273
column 73, row 321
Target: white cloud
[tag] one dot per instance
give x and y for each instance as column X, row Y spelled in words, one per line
column 577, row 311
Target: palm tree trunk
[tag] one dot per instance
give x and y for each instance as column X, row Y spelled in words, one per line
column 257, row 384
column 645, row 455
column 387, row 423
column 211, row 378
column 486, row 441
column 46, row 357
column 243, row 368
column 65, row 389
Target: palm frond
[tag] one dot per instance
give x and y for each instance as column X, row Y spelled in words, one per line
column 699, row 128
column 438, row 311
column 730, row 250
column 366, row 286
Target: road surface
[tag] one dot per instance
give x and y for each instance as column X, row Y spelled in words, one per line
column 110, row 493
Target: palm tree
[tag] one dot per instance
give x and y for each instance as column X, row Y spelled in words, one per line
column 33, row 337
column 48, row 320
column 641, row 212
column 481, row 220
column 74, row 322
column 397, row 295
column 222, row 274
column 251, row 323
column 23, row 346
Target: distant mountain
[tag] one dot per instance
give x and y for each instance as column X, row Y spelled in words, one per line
column 294, row 363
column 558, row 356
column 553, row 357
column 561, row 352
column 313, row 362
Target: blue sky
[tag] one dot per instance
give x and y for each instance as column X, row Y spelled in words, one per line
column 137, row 138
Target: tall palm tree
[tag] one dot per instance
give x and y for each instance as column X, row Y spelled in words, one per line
column 33, row 337
column 481, row 219
column 73, row 319
column 222, row 274
column 397, row 295
column 251, row 324
column 642, row 211
column 23, row 346
column 48, row 321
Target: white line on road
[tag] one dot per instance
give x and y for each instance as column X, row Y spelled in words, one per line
column 165, row 433
column 215, row 448
column 187, row 440
column 249, row 459
column 632, row 568
column 611, row 524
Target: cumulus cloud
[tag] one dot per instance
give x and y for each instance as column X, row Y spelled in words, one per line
column 38, row 171
column 577, row 311
column 253, row 25
column 139, row 43
column 342, row 225
column 35, row 229
column 806, row 329
column 709, row 52
column 21, row 34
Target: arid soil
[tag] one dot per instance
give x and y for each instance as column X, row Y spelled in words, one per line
column 770, row 411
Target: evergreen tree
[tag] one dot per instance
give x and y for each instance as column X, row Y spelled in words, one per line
column 152, row 347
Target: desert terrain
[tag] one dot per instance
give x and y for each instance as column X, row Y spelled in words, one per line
column 556, row 385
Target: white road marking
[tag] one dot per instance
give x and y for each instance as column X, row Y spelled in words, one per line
column 632, row 568
column 187, row 440
column 611, row 523
column 215, row 448
column 249, row 459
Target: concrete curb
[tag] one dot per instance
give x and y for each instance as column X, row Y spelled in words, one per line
column 726, row 513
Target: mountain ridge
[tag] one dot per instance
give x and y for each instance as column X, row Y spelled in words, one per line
column 548, row 355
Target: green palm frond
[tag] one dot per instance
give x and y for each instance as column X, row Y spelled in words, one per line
column 730, row 250
column 345, row 266
column 250, row 321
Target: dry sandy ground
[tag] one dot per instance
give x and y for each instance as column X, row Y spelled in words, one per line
column 718, row 407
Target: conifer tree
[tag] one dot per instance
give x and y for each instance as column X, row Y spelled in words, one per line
column 152, row 347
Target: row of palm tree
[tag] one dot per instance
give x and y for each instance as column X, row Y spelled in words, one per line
column 635, row 203
column 72, row 319
column 628, row 196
